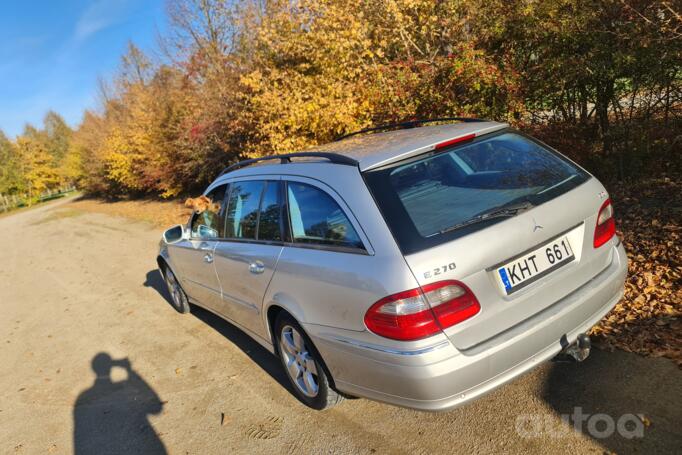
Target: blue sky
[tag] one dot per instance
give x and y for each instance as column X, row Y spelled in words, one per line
column 53, row 51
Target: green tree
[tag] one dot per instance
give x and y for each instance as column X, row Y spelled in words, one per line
column 583, row 60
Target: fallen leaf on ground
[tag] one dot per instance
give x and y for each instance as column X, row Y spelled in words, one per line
column 648, row 318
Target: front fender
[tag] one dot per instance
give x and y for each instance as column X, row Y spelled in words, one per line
column 163, row 258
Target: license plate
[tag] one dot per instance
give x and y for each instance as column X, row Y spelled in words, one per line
column 532, row 266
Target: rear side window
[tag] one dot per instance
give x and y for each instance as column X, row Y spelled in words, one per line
column 439, row 196
column 242, row 209
column 316, row 218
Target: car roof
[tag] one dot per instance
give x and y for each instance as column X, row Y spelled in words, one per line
column 379, row 149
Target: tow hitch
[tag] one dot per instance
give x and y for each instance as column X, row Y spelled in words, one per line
column 576, row 352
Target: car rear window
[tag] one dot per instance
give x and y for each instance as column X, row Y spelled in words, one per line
column 429, row 199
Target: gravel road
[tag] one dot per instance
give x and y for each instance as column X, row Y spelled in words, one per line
column 93, row 359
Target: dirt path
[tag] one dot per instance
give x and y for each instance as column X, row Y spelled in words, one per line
column 74, row 285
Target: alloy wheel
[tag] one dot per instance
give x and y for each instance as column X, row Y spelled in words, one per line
column 299, row 361
column 174, row 289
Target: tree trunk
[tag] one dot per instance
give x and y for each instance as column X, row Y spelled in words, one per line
column 605, row 91
column 666, row 115
column 584, row 113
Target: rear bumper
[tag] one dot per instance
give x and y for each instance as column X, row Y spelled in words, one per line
column 438, row 377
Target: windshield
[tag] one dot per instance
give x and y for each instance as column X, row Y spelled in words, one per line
column 439, row 193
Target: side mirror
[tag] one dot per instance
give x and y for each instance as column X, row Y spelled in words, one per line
column 206, row 232
column 174, row 234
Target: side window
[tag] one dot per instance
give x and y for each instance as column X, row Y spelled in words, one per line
column 242, row 209
column 317, row 219
column 209, row 216
column 270, row 213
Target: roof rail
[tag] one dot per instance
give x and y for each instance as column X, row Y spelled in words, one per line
column 409, row 124
column 286, row 158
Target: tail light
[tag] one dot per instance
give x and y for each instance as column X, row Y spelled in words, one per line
column 422, row 312
column 606, row 225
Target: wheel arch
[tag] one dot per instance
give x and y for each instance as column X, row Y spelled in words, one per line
column 272, row 312
column 163, row 261
column 281, row 302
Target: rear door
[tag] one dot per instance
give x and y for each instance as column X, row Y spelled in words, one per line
column 245, row 261
column 195, row 257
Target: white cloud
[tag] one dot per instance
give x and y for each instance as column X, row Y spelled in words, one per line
column 99, row 16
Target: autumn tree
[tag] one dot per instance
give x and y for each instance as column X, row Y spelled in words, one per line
column 37, row 164
column 323, row 68
column 57, row 135
column 87, row 145
column 240, row 79
column 10, row 167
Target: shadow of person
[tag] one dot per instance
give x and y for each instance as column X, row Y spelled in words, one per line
column 603, row 397
column 111, row 417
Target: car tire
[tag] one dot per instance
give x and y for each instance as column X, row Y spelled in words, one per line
column 303, row 365
column 178, row 298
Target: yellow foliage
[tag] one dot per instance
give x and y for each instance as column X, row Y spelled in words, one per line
column 37, row 166
column 324, row 68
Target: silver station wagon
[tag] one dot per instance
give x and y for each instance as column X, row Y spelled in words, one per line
column 422, row 267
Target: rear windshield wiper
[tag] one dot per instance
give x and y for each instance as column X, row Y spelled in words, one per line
column 503, row 211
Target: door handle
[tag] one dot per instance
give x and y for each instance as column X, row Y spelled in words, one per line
column 208, row 258
column 257, row 267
